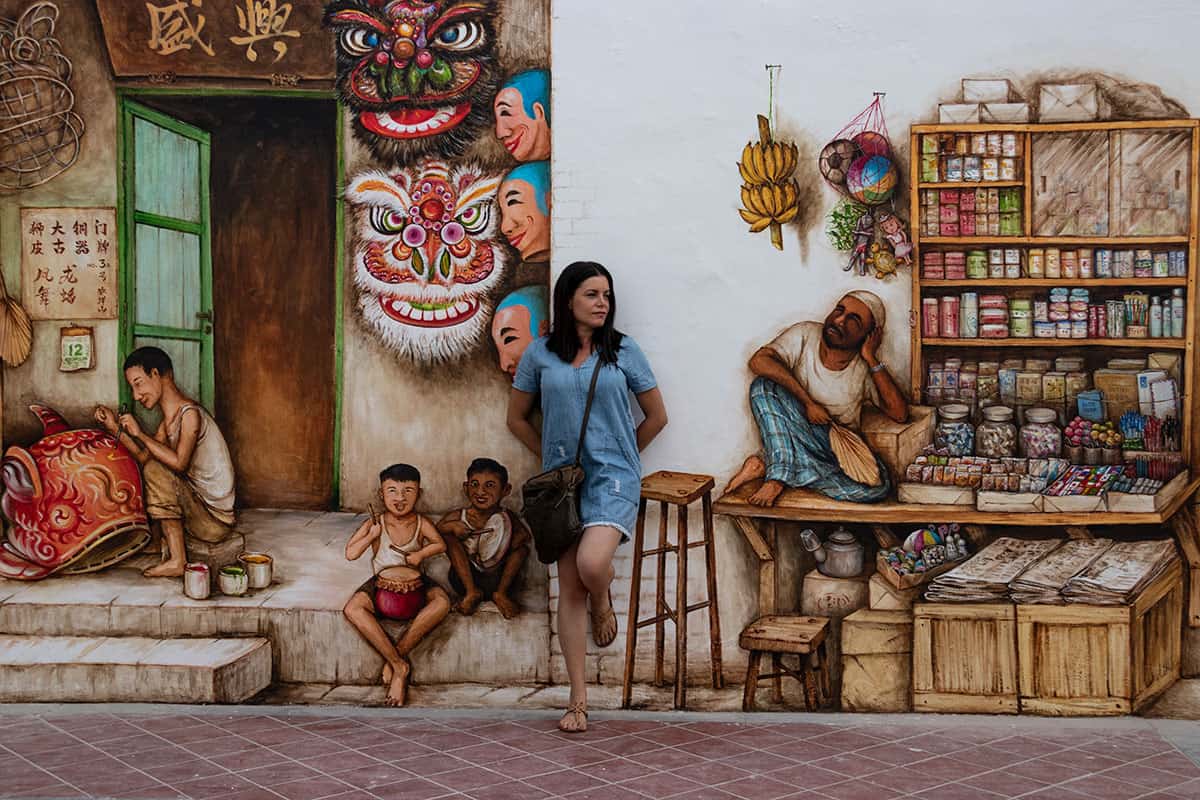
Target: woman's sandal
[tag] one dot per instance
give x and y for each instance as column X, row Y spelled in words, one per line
column 575, row 720
column 609, row 618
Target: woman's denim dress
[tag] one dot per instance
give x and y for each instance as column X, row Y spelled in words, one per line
column 613, row 471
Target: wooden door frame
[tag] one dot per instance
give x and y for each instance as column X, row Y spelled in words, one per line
column 126, row 304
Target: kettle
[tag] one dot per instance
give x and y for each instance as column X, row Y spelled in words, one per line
column 840, row 557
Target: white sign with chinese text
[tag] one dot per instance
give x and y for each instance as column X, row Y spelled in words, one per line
column 69, row 262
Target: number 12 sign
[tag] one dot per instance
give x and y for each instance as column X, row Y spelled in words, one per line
column 77, row 350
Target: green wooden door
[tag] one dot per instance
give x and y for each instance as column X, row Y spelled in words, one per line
column 166, row 257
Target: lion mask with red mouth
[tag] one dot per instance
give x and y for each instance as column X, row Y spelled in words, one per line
column 420, row 76
column 74, row 499
column 428, row 259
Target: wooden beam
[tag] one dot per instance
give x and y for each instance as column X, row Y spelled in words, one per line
column 884, row 536
column 750, row 530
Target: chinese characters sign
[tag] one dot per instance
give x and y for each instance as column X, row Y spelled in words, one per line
column 217, row 38
column 69, row 262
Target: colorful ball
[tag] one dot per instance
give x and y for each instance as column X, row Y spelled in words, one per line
column 872, row 179
column 873, row 144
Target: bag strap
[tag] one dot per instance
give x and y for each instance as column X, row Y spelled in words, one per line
column 587, row 410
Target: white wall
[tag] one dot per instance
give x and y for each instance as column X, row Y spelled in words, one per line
column 653, row 102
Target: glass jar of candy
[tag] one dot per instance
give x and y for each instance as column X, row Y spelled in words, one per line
column 1040, row 436
column 996, row 436
column 955, row 433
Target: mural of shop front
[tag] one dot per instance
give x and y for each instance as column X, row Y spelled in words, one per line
column 939, row 440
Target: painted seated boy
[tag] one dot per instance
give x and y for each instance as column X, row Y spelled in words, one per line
column 487, row 544
column 401, row 540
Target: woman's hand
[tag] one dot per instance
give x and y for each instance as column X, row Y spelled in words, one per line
column 520, row 406
column 655, row 411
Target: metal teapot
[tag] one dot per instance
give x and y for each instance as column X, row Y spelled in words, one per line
column 839, row 557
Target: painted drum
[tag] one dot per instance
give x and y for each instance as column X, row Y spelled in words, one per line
column 399, row 593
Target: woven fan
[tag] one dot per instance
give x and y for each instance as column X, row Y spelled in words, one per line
column 853, row 455
column 16, row 331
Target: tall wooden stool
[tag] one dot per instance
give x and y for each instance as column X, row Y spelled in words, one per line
column 677, row 489
column 779, row 636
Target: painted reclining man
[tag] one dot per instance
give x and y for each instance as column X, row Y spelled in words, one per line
column 810, row 376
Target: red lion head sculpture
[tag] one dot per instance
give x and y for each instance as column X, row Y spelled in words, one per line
column 74, row 500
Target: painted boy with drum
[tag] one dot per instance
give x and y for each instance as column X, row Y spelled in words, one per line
column 486, row 543
column 400, row 540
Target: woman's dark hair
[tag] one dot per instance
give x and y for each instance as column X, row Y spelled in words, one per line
column 564, row 338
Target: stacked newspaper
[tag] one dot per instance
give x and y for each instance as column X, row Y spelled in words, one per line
column 1123, row 571
column 985, row 577
column 1043, row 582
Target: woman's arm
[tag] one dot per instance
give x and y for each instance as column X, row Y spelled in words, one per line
column 656, row 417
column 520, row 406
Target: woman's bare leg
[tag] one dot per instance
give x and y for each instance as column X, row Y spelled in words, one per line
column 593, row 561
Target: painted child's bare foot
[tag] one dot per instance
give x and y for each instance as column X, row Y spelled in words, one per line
column 167, row 569
column 767, row 495
column 505, row 605
column 575, row 720
column 469, row 603
column 398, row 688
column 752, row 469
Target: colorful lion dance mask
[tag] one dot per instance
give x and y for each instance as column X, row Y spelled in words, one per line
column 419, row 75
column 74, row 500
column 428, row 258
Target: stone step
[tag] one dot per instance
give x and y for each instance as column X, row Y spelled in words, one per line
column 132, row 669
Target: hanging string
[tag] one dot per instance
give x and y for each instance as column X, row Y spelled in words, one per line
column 772, row 73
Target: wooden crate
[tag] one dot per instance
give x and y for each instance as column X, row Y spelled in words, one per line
column 877, row 661
column 965, row 658
column 1101, row 660
column 913, row 581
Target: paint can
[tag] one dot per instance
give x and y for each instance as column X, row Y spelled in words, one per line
column 197, row 582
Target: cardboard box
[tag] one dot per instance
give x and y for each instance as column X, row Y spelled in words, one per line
column 1073, row 504
column 1004, row 113
column 1008, row 502
column 1167, row 362
column 1120, row 389
column 1071, row 102
column 958, row 113
column 886, row 597
column 936, row 495
column 1122, row 503
column 986, row 90
column 898, row 443
column 877, row 661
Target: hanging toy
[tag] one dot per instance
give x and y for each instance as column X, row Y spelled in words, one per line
column 770, row 196
column 858, row 163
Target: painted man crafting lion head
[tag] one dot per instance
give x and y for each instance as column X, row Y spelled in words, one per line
column 428, row 258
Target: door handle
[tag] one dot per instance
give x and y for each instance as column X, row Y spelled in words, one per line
column 204, row 315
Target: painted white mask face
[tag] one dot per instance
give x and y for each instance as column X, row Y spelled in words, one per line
column 428, row 257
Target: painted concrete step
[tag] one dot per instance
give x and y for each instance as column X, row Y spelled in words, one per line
column 132, row 669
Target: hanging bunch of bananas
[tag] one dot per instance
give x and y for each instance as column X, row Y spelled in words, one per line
column 769, row 194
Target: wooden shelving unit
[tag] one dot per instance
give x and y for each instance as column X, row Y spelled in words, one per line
column 923, row 349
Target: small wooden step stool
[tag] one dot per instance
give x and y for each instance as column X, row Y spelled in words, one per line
column 678, row 489
column 803, row 637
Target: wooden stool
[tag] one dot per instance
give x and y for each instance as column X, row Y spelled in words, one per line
column 803, row 637
column 677, row 489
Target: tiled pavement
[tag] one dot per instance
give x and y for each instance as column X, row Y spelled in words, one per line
column 348, row 754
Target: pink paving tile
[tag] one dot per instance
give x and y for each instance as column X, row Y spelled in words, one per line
column 218, row 745
column 628, row 745
column 524, row 766
column 852, row 766
column 988, row 756
column 540, row 743
column 317, row 746
column 981, row 735
column 43, row 743
column 626, row 725
column 214, row 787
column 487, row 753
column 1126, row 750
column 889, row 753
column 501, row 731
column 449, row 742
column 1025, row 746
column 515, row 790
column 1083, row 760
column 153, row 793
column 395, row 750
column 278, row 773
column 251, row 757
column 312, row 788
column 1173, row 761
column 664, row 759
column 712, row 773
column 431, row 764
column 805, row 750
column 183, row 770
column 28, row 778
column 565, row 782
column 68, row 755
column 341, row 761
column 715, row 728
column 131, row 745
column 808, row 730
column 1055, row 793
column 958, row 791
column 576, row 755
column 283, row 736
column 365, row 738
column 616, row 770
column 374, row 774
column 257, row 793
column 612, row 793
column 82, row 769
column 1046, row 770
column 162, row 755
column 472, row 777
column 760, row 762
column 845, row 740
column 671, row 736
column 200, row 731
column 660, row 784
column 761, row 738
column 859, row 789
column 704, row 793
column 172, row 722
column 116, row 781
column 1185, row 791
column 1104, row 788
column 806, row 776
column 908, row 779
column 414, row 789
column 1005, row 783
column 1147, row 777
column 714, row 748
column 353, row 794
column 759, row 787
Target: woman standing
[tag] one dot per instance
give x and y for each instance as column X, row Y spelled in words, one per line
column 559, row 368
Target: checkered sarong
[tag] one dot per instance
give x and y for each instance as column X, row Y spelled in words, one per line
column 798, row 453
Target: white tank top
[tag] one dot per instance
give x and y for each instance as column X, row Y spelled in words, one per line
column 387, row 557
column 211, row 470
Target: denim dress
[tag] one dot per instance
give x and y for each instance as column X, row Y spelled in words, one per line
column 612, row 468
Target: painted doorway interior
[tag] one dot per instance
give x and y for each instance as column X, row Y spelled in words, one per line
column 273, row 314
